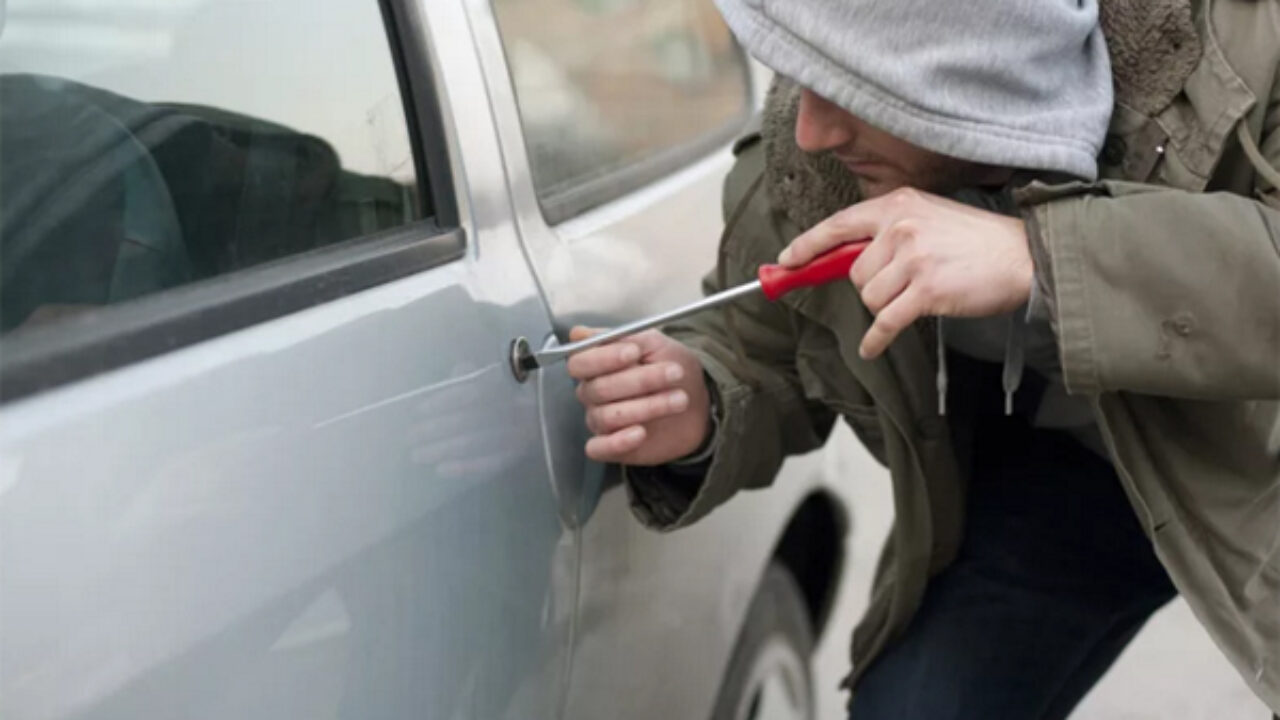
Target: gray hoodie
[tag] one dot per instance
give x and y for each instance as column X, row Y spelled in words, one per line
column 1013, row 83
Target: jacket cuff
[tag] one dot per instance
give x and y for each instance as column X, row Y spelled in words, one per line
column 1055, row 237
column 661, row 496
column 1059, row 293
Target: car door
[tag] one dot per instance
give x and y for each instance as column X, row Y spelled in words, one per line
column 261, row 451
column 617, row 119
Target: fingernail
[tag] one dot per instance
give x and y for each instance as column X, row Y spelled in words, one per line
column 678, row 401
column 635, row 434
column 785, row 256
column 630, row 353
column 674, row 373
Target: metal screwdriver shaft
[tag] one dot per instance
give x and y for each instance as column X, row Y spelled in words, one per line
column 775, row 281
column 561, row 352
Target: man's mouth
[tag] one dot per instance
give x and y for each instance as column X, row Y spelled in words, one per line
column 858, row 164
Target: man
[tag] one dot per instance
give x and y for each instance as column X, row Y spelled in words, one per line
column 1038, row 522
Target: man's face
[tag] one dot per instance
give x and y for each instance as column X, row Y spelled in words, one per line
column 880, row 161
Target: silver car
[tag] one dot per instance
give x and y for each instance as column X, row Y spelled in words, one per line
column 262, row 451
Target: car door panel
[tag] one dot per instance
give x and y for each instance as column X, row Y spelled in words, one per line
column 346, row 511
column 178, row 516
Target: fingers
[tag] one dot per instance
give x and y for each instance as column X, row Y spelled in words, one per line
column 898, row 315
column 886, row 285
column 616, row 446
column 854, row 223
column 613, row 357
column 865, row 220
column 603, row 360
column 631, row 383
column 610, row 418
column 642, row 404
column 876, row 256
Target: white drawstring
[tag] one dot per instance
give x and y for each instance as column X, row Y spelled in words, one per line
column 942, row 369
column 1014, row 358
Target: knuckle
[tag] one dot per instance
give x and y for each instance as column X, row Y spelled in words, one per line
column 872, row 301
column 904, row 196
column 590, row 392
column 890, row 323
column 904, row 231
column 606, row 389
column 653, row 337
column 842, row 220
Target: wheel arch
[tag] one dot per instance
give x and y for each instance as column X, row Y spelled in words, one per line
column 812, row 548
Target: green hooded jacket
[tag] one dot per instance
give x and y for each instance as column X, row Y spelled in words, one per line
column 1162, row 281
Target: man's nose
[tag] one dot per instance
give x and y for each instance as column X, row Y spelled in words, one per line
column 819, row 124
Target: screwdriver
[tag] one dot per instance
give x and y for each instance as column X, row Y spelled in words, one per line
column 773, row 280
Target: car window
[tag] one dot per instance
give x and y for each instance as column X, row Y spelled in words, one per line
column 612, row 93
column 147, row 145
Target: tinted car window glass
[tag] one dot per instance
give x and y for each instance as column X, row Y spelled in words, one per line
column 145, row 145
column 612, row 91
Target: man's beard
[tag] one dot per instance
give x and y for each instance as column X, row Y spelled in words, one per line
column 808, row 188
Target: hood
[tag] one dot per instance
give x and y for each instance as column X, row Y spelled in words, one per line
column 1013, row 83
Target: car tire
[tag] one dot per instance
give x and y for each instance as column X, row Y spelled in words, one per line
column 769, row 674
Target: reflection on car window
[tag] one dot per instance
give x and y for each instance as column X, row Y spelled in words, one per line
column 607, row 87
column 147, row 145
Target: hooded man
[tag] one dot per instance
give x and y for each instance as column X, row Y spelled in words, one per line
column 1041, row 515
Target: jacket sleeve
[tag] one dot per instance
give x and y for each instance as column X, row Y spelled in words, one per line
column 1161, row 291
column 764, row 415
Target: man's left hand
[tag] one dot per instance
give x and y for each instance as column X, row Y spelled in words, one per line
column 928, row 256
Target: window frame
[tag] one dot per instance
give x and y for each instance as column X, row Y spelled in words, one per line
column 113, row 336
column 613, row 185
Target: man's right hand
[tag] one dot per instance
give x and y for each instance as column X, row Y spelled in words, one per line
column 646, row 399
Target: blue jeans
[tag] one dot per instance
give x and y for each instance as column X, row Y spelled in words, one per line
column 1054, row 577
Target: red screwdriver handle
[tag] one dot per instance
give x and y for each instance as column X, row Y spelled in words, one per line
column 830, row 266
